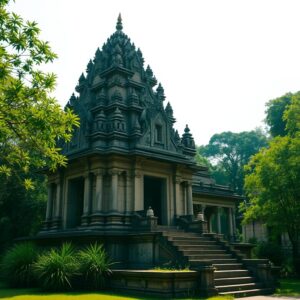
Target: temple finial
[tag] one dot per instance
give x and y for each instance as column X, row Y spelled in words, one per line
column 119, row 25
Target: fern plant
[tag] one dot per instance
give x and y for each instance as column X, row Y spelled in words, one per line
column 57, row 268
column 17, row 265
column 94, row 265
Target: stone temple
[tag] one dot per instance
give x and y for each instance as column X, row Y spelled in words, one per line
column 132, row 181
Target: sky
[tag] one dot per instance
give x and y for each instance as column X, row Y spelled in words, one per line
column 219, row 61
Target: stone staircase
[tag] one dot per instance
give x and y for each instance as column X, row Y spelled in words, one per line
column 230, row 275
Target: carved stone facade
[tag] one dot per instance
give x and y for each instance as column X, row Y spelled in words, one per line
column 126, row 156
column 131, row 178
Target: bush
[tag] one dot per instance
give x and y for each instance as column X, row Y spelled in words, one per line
column 94, row 265
column 17, row 265
column 57, row 268
column 287, row 269
column 269, row 250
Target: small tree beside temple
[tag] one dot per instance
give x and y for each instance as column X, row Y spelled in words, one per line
column 272, row 182
column 31, row 121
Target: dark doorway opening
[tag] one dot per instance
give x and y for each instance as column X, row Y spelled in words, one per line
column 154, row 191
column 75, row 202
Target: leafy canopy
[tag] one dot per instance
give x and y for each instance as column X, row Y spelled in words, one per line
column 273, row 176
column 275, row 111
column 31, row 121
column 229, row 152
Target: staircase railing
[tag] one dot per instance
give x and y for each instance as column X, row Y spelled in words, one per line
column 188, row 223
column 144, row 221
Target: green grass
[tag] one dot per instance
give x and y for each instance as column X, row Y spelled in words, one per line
column 289, row 287
column 36, row 294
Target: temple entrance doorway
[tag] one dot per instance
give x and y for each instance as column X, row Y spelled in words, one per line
column 75, row 202
column 155, row 196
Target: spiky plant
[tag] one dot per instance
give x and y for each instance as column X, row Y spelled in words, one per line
column 57, row 268
column 94, row 265
column 17, row 265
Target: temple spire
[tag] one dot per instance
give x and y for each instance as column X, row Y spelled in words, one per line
column 119, row 25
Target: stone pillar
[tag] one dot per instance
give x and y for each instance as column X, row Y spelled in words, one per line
column 206, row 276
column 97, row 216
column 49, row 211
column 230, row 219
column 86, row 199
column 190, row 210
column 138, row 199
column 203, row 206
column 49, row 202
column 98, row 205
column 128, row 204
column 177, row 181
column 114, row 190
column 219, row 219
column 57, row 207
column 233, row 221
column 58, row 200
column 128, row 199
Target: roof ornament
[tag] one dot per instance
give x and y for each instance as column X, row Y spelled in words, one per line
column 119, row 25
column 160, row 93
column 187, row 138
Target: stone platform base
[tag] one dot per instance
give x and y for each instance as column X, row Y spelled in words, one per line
column 164, row 284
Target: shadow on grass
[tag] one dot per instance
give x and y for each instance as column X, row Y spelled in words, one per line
column 289, row 287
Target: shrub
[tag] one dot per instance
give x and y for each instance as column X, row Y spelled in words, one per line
column 94, row 265
column 17, row 265
column 287, row 269
column 57, row 268
column 269, row 250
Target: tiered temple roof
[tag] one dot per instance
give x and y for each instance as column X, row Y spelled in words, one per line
column 121, row 107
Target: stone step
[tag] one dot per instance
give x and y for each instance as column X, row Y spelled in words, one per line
column 187, row 238
column 224, row 260
column 199, row 247
column 239, row 287
column 249, row 293
column 183, row 234
column 169, row 228
column 235, row 280
column 235, row 266
column 231, row 273
column 210, row 256
column 204, row 252
column 195, row 242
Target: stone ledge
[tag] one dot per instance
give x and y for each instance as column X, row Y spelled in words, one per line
column 156, row 283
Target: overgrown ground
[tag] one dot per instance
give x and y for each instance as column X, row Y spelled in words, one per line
column 289, row 287
column 35, row 294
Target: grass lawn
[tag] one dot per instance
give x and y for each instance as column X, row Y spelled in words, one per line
column 288, row 287
column 35, row 294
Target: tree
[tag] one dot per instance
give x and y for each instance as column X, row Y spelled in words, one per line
column 31, row 121
column 274, row 114
column 200, row 159
column 272, row 181
column 292, row 116
column 229, row 152
column 21, row 211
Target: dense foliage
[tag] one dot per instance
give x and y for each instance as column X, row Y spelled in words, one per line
column 272, row 182
column 274, row 114
column 57, row 268
column 269, row 250
column 17, row 265
column 21, row 211
column 228, row 152
column 31, row 121
column 94, row 265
